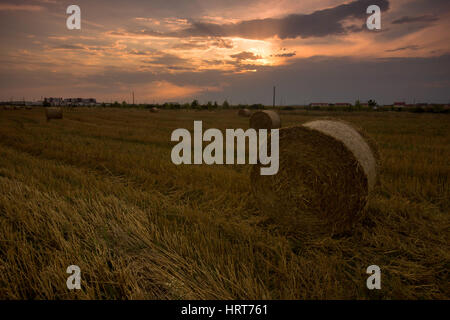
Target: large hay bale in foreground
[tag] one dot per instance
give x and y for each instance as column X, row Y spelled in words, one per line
column 244, row 113
column 53, row 113
column 266, row 119
column 327, row 170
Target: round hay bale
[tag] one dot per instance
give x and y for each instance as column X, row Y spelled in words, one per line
column 154, row 110
column 53, row 113
column 266, row 119
column 326, row 173
column 244, row 113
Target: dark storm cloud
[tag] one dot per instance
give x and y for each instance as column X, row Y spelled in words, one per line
column 418, row 7
column 317, row 24
column 423, row 18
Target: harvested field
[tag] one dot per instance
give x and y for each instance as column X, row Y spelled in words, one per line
column 98, row 189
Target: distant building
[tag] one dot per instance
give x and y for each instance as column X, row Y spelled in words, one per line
column 79, row 102
column 53, row 101
column 319, row 104
column 400, row 104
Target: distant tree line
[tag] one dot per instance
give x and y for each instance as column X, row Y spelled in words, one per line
column 195, row 105
column 371, row 105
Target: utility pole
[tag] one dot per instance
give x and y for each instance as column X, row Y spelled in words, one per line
column 274, row 92
column 133, row 97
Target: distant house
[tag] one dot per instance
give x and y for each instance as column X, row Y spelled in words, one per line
column 319, row 104
column 400, row 104
column 53, row 101
column 343, row 104
column 79, row 102
column 90, row 102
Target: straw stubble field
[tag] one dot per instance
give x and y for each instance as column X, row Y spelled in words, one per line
column 98, row 189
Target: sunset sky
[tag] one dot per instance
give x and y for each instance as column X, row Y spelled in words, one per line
column 174, row 50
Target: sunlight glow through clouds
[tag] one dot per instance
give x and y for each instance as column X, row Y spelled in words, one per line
column 166, row 91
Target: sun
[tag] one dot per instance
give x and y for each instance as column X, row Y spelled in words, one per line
column 261, row 49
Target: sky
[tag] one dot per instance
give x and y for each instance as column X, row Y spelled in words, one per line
column 234, row 50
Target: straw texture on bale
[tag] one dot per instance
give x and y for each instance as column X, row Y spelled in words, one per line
column 326, row 172
column 266, row 119
column 244, row 113
column 53, row 113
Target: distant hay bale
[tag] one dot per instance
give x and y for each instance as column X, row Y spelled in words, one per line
column 154, row 110
column 53, row 113
column 327, row 171
column 244, row 113
column 266, row 119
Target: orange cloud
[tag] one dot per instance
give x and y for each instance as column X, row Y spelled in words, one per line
column 166, row 91
column 21, row 7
